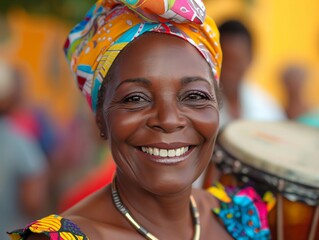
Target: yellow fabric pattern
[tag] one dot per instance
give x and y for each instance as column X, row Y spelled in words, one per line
column 53, row 226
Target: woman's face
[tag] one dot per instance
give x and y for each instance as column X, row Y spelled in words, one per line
column 161, row 113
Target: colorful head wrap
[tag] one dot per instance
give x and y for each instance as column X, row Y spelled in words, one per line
column 110, row 25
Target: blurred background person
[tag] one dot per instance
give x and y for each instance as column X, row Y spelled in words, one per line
column 34, row 121
column 294, row 78
column 242, row 98
column 23, row 171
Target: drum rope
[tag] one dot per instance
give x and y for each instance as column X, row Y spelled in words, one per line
column 314, row 224
column 280, row 220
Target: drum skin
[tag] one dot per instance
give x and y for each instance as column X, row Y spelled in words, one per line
column 284, row 152
column 287, row 150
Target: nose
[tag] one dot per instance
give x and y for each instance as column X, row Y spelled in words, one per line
column 167, row 117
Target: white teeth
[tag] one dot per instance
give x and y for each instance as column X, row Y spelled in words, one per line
column 171, row 153
column 144, row 149
column 156, row 152
column 165, row 152
column 150, row 151
column 178, row 152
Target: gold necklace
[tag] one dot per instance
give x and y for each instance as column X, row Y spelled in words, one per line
column 142, row 230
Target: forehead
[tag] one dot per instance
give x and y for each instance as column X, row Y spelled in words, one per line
column 161, row 55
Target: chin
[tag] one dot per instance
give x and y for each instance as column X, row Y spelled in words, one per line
column 168, row 185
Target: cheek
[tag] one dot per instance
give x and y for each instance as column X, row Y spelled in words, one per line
column 120, row 128
column 121, row 124
column 207, row 123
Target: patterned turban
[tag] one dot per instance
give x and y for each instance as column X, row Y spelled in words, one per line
column 110, row 25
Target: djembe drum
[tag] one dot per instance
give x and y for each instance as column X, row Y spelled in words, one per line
column 282, row 157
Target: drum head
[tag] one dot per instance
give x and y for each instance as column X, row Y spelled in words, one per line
column 287, row 149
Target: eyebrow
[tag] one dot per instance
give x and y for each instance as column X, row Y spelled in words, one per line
column 143, row 81
column 187, row 80
column 146, row 82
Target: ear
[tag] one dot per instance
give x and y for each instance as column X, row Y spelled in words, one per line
column 100, row 121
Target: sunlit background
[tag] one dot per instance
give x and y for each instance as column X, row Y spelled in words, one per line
column 32, row 36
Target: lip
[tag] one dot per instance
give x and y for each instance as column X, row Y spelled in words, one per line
column 163, row 145
column 168, row 160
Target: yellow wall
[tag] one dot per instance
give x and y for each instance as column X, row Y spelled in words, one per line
column 285, row 30
column 35, row 44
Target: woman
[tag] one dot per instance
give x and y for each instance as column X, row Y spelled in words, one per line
column 153, row 84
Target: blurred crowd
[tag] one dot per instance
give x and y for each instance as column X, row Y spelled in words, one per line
column 39, row 159
column 50, row 162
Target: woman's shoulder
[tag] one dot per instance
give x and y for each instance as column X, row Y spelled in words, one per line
column 82, row 221
column 94, row 215
column 97, row 217
column 210, row 224
column 205, row 201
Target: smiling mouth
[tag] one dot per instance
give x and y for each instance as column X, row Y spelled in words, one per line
column 166, row 153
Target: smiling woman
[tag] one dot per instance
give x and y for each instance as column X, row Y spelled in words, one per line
column 158, row 105
column 153, row 84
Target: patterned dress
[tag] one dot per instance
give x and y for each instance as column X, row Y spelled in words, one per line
column 243, row 212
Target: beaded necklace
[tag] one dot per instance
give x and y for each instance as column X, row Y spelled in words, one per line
column 142, row 230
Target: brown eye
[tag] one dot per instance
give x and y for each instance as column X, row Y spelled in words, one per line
column 195, row 96
column 136, row 98
column 196, row 99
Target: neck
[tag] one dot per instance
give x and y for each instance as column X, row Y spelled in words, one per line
column 166, row 215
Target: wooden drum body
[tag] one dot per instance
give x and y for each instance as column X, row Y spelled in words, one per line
column 282, row 157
